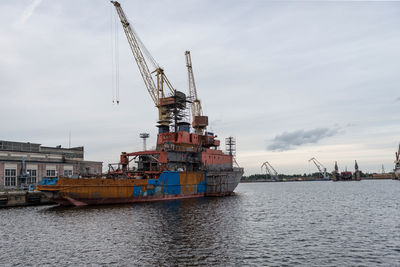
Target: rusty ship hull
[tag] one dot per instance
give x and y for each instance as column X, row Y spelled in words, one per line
column 170, row 185
column 397, row 172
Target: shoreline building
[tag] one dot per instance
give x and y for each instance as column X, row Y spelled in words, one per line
column 33, row 162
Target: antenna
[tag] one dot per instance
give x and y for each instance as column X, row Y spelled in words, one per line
column 230, row 145
column 69, row 139
column 230, row 148
column 144, row 136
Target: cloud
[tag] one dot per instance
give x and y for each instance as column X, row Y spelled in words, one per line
column 322, row 62
column 289, row 140
column 28, row 12
column 398, row 99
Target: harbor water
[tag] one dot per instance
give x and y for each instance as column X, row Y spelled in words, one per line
column 274, row 224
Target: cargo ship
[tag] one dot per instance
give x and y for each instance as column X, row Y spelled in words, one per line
column 184, row 165
column 186, row 162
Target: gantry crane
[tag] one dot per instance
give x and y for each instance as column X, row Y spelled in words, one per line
column 199, row 122
column 270, row 170
column 321, row 168
column 156, row 91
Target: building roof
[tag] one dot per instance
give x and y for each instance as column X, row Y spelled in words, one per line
column 19, row 146
column 38, row 148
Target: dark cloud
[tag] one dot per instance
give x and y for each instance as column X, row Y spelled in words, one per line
column 289, row 140
column 398, row 99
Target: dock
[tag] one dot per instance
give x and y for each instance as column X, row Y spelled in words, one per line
column 23, row 198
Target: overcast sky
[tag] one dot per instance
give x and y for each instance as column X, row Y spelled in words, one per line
column 290, row 80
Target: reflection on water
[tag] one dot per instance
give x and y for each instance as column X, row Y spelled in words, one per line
column 307, row 223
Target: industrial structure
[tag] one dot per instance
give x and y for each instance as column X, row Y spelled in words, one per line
column 230, row 148
column 24, row 163
column 144, row 136
column 346, row 175
column 199, row 122
column 269, row 170
column 321, row 168
column 184, row 164
column 230, row 145
column 357, row 173
column 397, row 164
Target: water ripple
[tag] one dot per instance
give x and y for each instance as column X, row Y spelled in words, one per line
column 273, row 224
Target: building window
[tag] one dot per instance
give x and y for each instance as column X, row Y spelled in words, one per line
column 51, row 173
column 67, row 173
column 10, row 177
column 32, row 176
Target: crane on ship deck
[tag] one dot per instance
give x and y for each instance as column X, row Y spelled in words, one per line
column 199, row 122
column 270, row 170
column 321, row 168
column 156, row 90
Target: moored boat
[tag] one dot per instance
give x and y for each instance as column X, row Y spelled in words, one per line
column 197, row 174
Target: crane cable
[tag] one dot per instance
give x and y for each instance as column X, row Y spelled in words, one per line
column 116, row 60
column 114, row 57
column 144, row 49
column 115, row 79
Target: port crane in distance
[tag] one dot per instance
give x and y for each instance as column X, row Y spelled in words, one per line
column 397, row 165
column 270, row 170
column 156, row 90
column 199, row 122
column 321, row 168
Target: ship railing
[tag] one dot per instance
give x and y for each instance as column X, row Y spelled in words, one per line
column 173, row 147
column 238, row 169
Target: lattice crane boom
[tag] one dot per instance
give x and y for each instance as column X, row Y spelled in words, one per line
column 196, row 104
column 199, row 121
column 156, row 91
column 270, row 170
column 321, row 168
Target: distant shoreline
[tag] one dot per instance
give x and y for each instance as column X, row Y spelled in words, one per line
column 309, row 180
column 272, row 181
